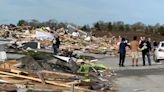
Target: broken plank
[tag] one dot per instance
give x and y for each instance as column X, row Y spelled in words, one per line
column 1, row 76
column 76, row 82
column 58, row 73
column 17, row 71
column 39, row 80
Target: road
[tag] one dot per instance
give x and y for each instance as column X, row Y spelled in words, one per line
column 136, row 79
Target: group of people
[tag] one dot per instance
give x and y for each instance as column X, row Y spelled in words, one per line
column 135, row 46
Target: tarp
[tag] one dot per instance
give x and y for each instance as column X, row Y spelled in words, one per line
column 71, row 29
column 67, row 59
column 44, row 35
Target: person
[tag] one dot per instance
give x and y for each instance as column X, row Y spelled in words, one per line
column 141, row 38
column 134, row 50
column 155, row 44
column 56, row 44
column 126, row 40
column 145, row 47
column 122, row 51
column 76, row 33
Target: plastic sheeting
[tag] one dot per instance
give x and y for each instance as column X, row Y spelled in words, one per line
column 44, row 35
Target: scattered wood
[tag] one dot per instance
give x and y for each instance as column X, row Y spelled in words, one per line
column 16, row 80
column 40, row 75
column 39, row 80
column 8, row 64
column 76, row 82
column 14, row 70
column 58, row 73
column 6, row 76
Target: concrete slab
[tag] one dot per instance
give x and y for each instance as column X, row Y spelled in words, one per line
column 136, row 79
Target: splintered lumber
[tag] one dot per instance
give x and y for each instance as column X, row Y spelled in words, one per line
column 39, row 80
column 14, row 70
column 8, row 88
column 6, row 76
column 76, row 82
column 18, row 70
column 8, row 64
column 58, row 73
column 15, row 80
column 40, row 75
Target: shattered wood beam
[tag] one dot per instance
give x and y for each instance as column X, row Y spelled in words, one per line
column 58, row 73
column 17, row 71
column 39, row 80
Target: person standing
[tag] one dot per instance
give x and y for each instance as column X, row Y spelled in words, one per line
column 145, row 47
column 76, row 33
column 122, row 51
column 134, row 50
column 155, row 45
column 56, row 44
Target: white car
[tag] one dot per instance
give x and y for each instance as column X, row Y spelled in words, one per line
column 159, row 52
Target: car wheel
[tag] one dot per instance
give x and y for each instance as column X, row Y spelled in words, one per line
column 155, row 59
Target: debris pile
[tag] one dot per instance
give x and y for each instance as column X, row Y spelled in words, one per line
column 31, row 65
column 55, row 70
column 42, row 38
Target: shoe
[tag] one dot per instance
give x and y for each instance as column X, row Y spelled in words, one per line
column 123, row 66
column 143, row 65
column 149, row 64
column 136, row 65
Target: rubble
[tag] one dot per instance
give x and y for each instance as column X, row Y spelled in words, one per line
column 39, row 67
column 33, row 70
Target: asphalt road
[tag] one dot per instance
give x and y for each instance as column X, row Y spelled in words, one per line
column 136, row 79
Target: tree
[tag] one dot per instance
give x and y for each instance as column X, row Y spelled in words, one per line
column 161, row 30
column 139, row 26
column 21, row 22
column 127, row 27
column 118, row 26
column 109, row 26
column 34, row 23
column 86, row 28
column 97, row 26
column 51, row 23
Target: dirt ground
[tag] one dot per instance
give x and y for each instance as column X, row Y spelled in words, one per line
column 128, row 34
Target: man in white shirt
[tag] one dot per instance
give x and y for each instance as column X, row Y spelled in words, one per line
column 76, row 33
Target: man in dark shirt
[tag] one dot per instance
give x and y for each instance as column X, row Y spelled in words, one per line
column 56, row 43
column 122, row 51
column 155, row 44
column 145, row 46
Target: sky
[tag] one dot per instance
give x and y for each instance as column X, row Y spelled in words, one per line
column 83, row 11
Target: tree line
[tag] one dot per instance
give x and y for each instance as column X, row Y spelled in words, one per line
column 37, row 24
column 121, row 26
column 99, row 26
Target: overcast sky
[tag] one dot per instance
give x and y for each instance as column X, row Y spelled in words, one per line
column 83, row 11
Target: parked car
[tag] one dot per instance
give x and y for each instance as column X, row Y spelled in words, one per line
column 159, row 52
